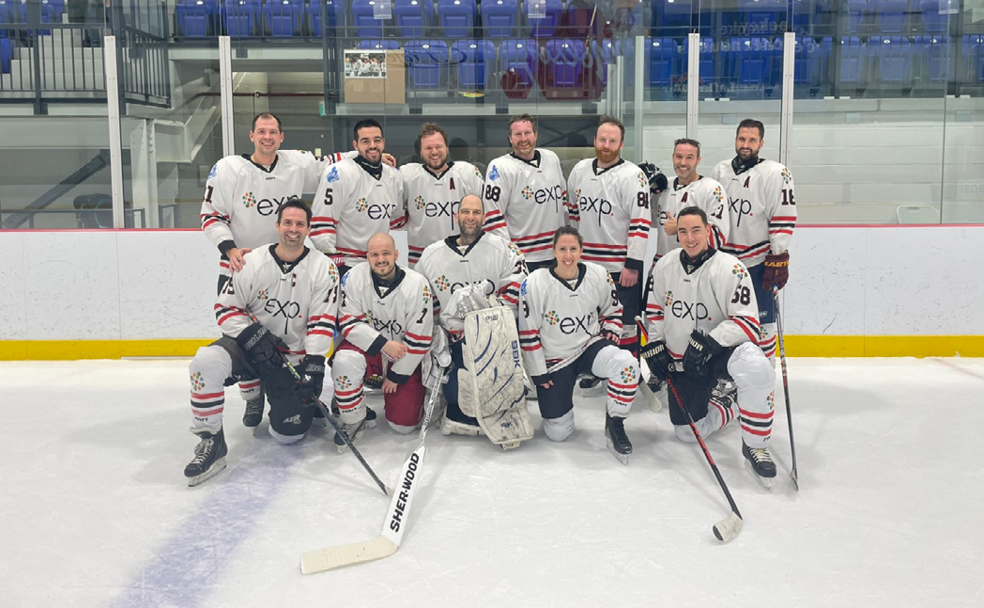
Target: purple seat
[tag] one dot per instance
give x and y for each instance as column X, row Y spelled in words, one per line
column 565, row 63
column 474, row 60
column 457, row 17
column 499, row 17
column 427, row 62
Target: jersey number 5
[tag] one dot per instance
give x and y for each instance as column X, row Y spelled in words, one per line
column 328, row 197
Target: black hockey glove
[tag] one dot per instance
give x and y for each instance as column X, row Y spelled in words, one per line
column 312, row 373
column 658, row 359
column 264, row 350
column 697, row 359
column 657, row 181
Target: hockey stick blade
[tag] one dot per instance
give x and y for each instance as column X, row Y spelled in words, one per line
column 727, row 529
column 346, row 555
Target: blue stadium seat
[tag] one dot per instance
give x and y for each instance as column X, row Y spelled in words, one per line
column 604, row 52
column 241, row 17
column 413, row 16
column 891, row 16
column 7, row 14
column 762, row 17
column 457, row 17
column 810, row 61
column 933, row 21
column 807, row 16
column 194, row 18
column 892, row 60
column 6, row 54
column 519, row 56
column 663, row 62
column 852, row 70
column 934, row 59
column 378, row 45
column 283, row 18
column 51, row 12
column 546, row 26
column 565, row 61
column 499, row 17
column 858, row 12
column 427, row 62
column 677, row 16
column 474, row 59
column 335, row 11
column 365, row 23
column 579, row 19
column 971, row 59
column 708, row 61
column 756, row 65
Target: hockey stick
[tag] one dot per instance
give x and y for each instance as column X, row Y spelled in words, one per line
column 727, row 528
column 785, row 386
column 391, row 534
column 647, row 392
column 344, row 436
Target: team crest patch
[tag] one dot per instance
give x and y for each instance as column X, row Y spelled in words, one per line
column 718, row 195
column 343, row 382
column 771, row 400
column 643, row 182
column 739, row 271
column 577, row 194
column 197, row 382
column 420, row 202
column 427, row 295
column 333, row 272
column 263, row 295
column 552, row 317
column 442, row 283
column 512, row 247
column 249, row 200
column 786, row 176
column 494, row 174
column 478, row 173
column 667, row 299
column 527, row 193
column 361, row 204
column 214, row 171
column 611, row 283
column 628, row 376
column 332, row 175
column 522, row 287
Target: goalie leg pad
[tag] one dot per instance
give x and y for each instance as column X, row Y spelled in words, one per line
column 756, row 379
column 559, row 429
column 622, row 371
column 494, row 376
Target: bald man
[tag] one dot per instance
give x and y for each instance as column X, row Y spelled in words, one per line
column 385, row 313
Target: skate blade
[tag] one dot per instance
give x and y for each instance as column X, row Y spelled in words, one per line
column 765, row 482
column 623, row 458
column 217, row 467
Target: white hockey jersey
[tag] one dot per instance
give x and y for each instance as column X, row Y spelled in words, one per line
column 371, row 313
column 430, row 202
column 704, row 193
column 297, row 301
column 242, row 198
column 762, row 208
column 610, row 208
column 491, row 259
column 350, row 206
column 526, row 202
column 558, row 320
column 716, row 297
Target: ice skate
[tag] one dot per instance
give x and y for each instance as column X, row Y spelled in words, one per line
column 254, row 412
column 354, row 431
column 759, row 463
column 592, row 386
column 616, row 439
column 209, row 458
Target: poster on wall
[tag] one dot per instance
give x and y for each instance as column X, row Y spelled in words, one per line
column 365, row 64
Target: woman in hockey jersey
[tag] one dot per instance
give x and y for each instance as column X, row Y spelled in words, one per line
column 569, row 325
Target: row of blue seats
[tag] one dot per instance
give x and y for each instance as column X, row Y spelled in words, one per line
column 15, row 11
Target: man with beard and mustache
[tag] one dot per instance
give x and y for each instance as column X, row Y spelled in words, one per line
column 526, row 195
column 611, row 196
column 357, row 198
column 472, row 257
column 763, row 213
column 385, row 312
column 432, row 192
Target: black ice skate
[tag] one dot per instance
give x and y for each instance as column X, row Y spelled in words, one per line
column 209, row 458
column 618, row 442
column 759, row 463
column 592, row 386
column 254, row 412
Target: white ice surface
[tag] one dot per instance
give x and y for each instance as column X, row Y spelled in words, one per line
column 94, row 510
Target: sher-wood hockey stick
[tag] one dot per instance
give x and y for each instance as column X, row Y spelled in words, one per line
column 390, row 536
column 785, row 387
column 727, row 528
column 331, row 421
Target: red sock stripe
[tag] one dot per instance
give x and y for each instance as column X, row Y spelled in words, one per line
column 757, row 415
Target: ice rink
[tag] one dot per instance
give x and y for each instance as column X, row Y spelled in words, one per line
column 96, row 512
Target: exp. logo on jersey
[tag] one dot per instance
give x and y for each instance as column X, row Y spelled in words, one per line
column 442, row 283
column 420, row 202
column 545, row 195
column 692, row 312
column 740, row 206
column 667, row 299
column 494, row 174
column 374, row 211
column 249, row 200
column 332, row 175
column 262, row 295
column 392, row 326
column 590, row 204
column 570, row 325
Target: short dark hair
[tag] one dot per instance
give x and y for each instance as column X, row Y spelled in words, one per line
column 685, row 141
column 294, row 203
column 751, row 123
column 692, row 210
column 521, row 118
column 611, row 120
column 430, row 128
column 267, row 115
column 568, row 230
column 366, row 123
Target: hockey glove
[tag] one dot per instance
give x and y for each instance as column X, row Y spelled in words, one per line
column 697, row 359
column 776, row 270
column 312, row 373
column 657, row 181
column 264, row 350
column 658, row 359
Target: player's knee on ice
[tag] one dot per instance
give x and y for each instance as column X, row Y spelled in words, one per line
column 285, row 439
column 559, row 429
column 399, row 428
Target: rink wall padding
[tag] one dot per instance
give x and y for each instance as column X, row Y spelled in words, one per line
column 853, row 291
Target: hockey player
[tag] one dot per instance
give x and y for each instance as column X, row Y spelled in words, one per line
column 281, row 304
column 612, row 198
column 526, row 195
column 357, row 198
column 386, row 313
column 763, row 213
column 702, row 324
column 472, row 257
column 690, row 189
column 432, row 191
column 569, row 324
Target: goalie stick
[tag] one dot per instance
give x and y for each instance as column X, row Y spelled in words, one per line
column 785, row 387
column 391, row 534
column 727, row 528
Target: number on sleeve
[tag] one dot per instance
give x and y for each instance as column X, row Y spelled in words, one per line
column 743, row 295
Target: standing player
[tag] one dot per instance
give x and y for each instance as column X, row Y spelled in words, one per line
column 702, row 320
column 473, row 257
column 281, row 304
column 432, row 191
column 690, row 189
column 357, row 198
column 385, row 312
column 525, row 194
column 569, row 324
column 763, row 213
column 612, row 198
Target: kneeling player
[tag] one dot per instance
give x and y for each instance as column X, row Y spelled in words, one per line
column 702, row 320
column 282, row 304
column 570, row 325
column 386, row 312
